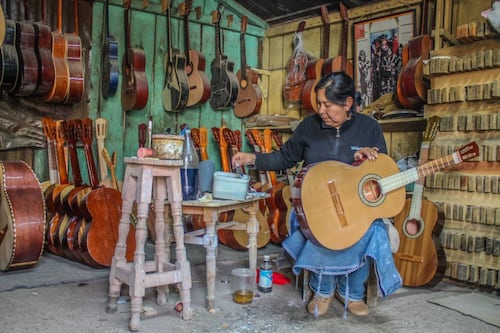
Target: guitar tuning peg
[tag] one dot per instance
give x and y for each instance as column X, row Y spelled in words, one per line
column 230, row 18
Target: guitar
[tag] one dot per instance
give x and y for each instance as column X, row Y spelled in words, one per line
column 176, row 89
column 22, row 227
column 199, row 85
column 296, row 69
column 75, row 62
column 44, row 54
column 26, row 47
column 249, row 98
column 420, row 259
column 9, row 56
column 134, row 89
column 350, row 197
column 340, row 63
column 109, row 60
column 314, row 67
column 60, row 85
column 411, row 88
column 2, row 26
column 224, row 84
column 286, row 193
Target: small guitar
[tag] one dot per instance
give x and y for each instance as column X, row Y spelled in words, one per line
column 75, row 62
column 420, row 259
column 350, row 197
column 109, row 60
column 199, row 85
column 44, row 53
column 176, row 89
column 249, row 98
column 224, row 83
column 134, row 90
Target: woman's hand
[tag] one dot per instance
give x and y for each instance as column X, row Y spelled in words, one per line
column 240, row 159
column 366, row 153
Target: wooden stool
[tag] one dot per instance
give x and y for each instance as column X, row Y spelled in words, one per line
column 146, row 178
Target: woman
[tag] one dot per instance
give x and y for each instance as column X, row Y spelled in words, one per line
column 336, row 132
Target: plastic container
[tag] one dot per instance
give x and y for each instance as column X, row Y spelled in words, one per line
column 265, row 276
column 189, row 170
column 230, row 186
column 243, row 283
column 167, row 146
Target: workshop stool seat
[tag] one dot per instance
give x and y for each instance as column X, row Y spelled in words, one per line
column 145, row 179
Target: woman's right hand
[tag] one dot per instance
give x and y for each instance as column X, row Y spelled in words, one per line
column 240, row 159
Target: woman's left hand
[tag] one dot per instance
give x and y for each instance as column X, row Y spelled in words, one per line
column 370, row 153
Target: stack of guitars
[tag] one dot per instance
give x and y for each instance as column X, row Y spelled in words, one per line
column 82, row 219
column 273, row 211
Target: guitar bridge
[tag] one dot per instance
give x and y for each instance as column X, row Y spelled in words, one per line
column 337, row 203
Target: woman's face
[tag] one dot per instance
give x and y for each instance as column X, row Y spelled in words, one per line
column 333, row 115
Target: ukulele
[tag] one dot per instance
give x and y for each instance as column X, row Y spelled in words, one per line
column 314, row 68
column 11, row 62
column 352, row 197
column 340, row 63
column 134, row 87
column 176, row 89
column 26, row 45
column 75, row 62
column 420, row 259
column 109, row 60
column 199, row 85
column 296, row 69
column 249, row 98
column 44, row 54
column 60, row 85
column 411, row 88
column 224, row 84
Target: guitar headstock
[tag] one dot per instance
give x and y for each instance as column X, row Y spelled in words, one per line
column 431, row 128
column 468, row 151
column 324, row 16
column 142, row 133
column 203, row 137
column 257, row 137
column 85, row 130
column 228, row 135
column 126, row 4
column 268, row 140
column 222, row 141
column 343, row 11
column 71, row 131
column 195, row 134
column 237, row 138
column 59, row 132
column 216, row 134
column 278, row 139
column 49, row 128
column 185, row 7
column 216, row 16
column 244, row 22
column 101, row 128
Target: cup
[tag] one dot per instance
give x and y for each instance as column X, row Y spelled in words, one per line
column 243, row 283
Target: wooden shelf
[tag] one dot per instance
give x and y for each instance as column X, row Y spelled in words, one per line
column 416, row 124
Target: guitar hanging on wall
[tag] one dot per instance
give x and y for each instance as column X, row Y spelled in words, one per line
column 109, row 60
column 44, row 44
column 199, row 85
column 176, row 90
column 249, row 97
column 75, row 62
column 134, row 82
column 224, row 83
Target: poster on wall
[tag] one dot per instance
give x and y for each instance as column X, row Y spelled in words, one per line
column 378, row 48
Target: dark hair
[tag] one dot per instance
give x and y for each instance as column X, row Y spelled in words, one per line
column 338, row 86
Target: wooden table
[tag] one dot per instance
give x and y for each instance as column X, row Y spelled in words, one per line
column 147, row 179
column 210, row 211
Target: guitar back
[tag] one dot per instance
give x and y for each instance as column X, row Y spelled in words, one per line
column 28, row 70
column 134, row 89
column 46, row 74
column 10, row 62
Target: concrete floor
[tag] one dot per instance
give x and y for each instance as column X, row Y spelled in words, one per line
column 58, row 295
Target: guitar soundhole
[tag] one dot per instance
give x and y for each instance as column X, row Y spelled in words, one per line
column 370, row 192
column 413, row 228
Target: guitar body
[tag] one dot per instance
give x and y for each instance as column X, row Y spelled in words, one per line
column 199, row 85
column 420, row 259
column 22, row 216
column 411, row 87
column 28, row 68
column 249, row 98
column 60, row 86
column 109, row 65
column 313, row 75
column 336, row 219
column 46, row 64
column 9, row 78
column 176, row 91
column 335, row 64
column 238, row 239
column 224, row 85
column 134, row 83
column 76, row 76
column 276, row 214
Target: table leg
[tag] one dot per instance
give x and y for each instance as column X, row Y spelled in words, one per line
column 252, row 230
column 210, row 242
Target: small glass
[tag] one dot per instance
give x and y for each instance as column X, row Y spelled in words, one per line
column 243, row 284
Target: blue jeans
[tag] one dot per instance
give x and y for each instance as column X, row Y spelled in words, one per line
column 353, row 286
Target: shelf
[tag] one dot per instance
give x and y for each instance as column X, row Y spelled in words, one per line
column 416, row 124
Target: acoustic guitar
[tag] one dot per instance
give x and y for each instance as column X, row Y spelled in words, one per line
column 109, row 60
column 420, row 258
column 2, row 26
column 296, row 69
column 249, row 98
column 199, row 85
column 22, row 227
column 336, row 203
column 76, row 85
column 9, row 56
column 224, row 84
column 44, row 54
column 134, row 89
column 176, row 89
column 60, row 85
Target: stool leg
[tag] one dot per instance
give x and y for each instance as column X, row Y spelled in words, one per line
column 210, row 243
column 159, row 193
